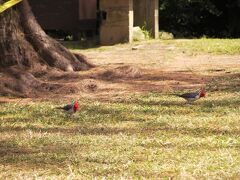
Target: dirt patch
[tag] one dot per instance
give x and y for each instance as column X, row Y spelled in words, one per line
column 121, row 71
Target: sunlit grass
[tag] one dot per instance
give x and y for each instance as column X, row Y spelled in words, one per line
column 130, row 137
column 151, row 136
column 189, row 46
column 205, row 45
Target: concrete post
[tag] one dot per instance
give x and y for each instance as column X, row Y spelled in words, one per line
column 117, row 23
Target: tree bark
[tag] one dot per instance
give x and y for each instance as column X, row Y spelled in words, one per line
column 23, row 43
column 26, row 51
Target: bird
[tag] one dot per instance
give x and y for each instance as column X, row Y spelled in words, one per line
column 193, row 96
column 70, row 108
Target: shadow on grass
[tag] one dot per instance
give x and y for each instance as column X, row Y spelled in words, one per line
column 147, row 130
column 202, row 103
column 50, row 156
column 11, row 148
column 47, row 155
column 137, row 110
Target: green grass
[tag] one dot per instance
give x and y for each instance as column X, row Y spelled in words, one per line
column 189, row 46
column 150, row 136
column 204, row 45
column 131, row 137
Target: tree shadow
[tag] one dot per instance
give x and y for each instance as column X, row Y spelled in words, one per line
column 142, row 80
column 141, row 130
column 11, row 148
column 49, row 155
column 179, row 102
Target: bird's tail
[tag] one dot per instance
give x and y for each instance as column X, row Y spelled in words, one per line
column 59, row 108
column 174, row 94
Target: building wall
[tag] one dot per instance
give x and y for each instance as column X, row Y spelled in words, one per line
column 65, row 14
column 146, row 14
column 87, row 9
column 140, row 12
column 116, row 27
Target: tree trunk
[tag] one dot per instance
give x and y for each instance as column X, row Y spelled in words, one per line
column 26, row 51
column 25, row 44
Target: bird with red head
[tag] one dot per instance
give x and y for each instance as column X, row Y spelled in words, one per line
column 71, row 108
column 193, row 96
column 202, row 92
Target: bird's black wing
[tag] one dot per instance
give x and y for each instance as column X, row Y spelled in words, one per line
column 68, row 107
column 189, row 95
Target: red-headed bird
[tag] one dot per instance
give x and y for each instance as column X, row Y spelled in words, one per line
column 70, row 108
column 193, row 96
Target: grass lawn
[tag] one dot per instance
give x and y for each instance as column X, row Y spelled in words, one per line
column 204, row 45
column 134, row 136
column 191, row 46
column 149, row 136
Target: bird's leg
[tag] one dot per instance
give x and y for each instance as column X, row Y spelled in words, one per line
column 68, row 115
column 189, row 103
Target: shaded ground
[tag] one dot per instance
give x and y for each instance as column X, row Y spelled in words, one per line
column 124, row 69
column 122, row 130
column 149, row 136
